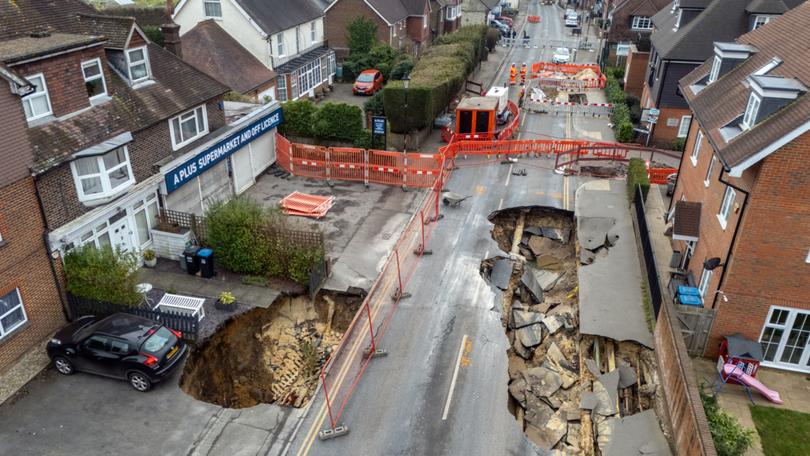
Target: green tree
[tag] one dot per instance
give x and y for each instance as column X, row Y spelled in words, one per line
column 102, row 274
column 298, row 117
column 361, row 35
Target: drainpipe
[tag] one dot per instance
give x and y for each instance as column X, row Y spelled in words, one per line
column 733, row 236
column 45, row 241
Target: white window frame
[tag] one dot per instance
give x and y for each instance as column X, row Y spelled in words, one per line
column 280, row 44
column 725, row 206
column 715, row 71
column 424, row 21
column 205, row 10
column 452, row 13
column 104, row 175
column 705, row 281
column 786, row 327
column 641, row 23
column 88, row 63
column 683, row 127
column 760, row 20
column 751, row 110
column 281, row 88
column 44, row 93
column 5, row 332
column 313, row 32
column 145, row 62
column 696, row 148
column 709, row 171
column 197, row 112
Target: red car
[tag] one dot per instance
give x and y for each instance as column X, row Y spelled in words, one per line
column 368, row 82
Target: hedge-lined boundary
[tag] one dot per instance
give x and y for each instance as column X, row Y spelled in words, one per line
column 622, row 125
column 328, row 121
column 637, row 175
column 435, row 80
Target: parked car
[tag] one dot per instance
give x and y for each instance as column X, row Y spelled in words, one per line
column 506, row 20
column 122, row 346
column 572, row 20
column 561, row 55
column 500, row 26
column 368, row 82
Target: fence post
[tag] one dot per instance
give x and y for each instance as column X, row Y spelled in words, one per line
column 365, row 166
column 194, row 225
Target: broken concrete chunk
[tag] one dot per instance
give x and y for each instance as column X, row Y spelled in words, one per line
column 593, row 367
column 540, row 245
column 553, row 323
column 627, row 376
column 530, row 282
column 607, row 391
column 543, row 381
column 526, row 253
column 638, row 434
column 549, row 262
column 573, row 434
column 588, row 401
column 593, row 231
column 518, row 390
column 541, row 308
column 521, row 349
column 516, row 367
column 530, row 336
column 554, row 402
column 552, row 432
column 546, row 279
column 537, row 412
column 521, row 318
column 571, row 411
column 557, row 357
column 537, row 231
column 586, row 257
column 612, row 238
column 557, row 234
column 501, row 273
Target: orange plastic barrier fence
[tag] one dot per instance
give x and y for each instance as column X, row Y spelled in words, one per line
column 534, row 19
column 659, row 175
column 349, row 164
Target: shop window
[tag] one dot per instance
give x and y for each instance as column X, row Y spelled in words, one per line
column 102, row 176
column 188, row 126
column 37, row 104
column 12, row 312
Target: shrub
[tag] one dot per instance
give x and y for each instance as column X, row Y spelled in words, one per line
column 236, row 235
column 402, row 67
column 637, row 175
column 678, row 144
column 298, row 117
column 381, row 57
column 363, row 140
column 622, row 122
column 154, row 34
column 337, row 121
column 102, row 274
column 374, row 105
column 361, row 35
column 730, row 437
column 300, row 262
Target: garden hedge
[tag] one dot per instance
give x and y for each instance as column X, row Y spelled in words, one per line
column 328, row 122
column 622, row 124
column 436, row 79
column 637, row 175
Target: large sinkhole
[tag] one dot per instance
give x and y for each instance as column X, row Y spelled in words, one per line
column 270, row 355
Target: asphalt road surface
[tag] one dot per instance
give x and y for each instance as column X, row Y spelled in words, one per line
column 442, row 389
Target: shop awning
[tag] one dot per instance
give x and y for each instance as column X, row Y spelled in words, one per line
column 687, row 221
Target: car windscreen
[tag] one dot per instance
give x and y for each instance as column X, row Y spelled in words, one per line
column 561, row 51
column 158, row 341
column 365, row 78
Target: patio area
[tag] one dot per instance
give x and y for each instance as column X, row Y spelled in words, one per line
column 793, row 388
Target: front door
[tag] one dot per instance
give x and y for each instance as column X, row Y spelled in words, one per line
column 120, row 232
column 785, row 339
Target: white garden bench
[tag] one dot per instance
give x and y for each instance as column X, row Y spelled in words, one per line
column 183, row 304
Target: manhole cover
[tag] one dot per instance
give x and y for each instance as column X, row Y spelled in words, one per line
column 386, row 236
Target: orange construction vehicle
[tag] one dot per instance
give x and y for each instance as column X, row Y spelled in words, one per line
column 479, row 118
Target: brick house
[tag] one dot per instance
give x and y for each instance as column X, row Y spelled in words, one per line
column 682, row 40
column 286, row 36
column 30, row 301
column 740, row 206
column 477, row 11
column 630, row 22
column 445, row 17
column 402, row 24
column 119, row 125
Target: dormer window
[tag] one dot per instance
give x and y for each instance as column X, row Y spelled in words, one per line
column 761, row 20
column 678, row 20
column 137, row 64
column 642, row 23
column 94, row 79
column 715, row 72
column 727, row 56
column 751, row 111
column 37, row 104
column 213, row 9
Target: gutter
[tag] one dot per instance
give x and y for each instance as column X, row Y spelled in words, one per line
column 733, row 236
column 54, row 274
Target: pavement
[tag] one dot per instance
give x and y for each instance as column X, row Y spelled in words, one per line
column 605, row 307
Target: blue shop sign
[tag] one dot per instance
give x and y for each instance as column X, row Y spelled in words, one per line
column 200, row 163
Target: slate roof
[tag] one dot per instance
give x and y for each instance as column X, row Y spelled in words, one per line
column 274, row 16
column 27, row 47
column 724, row 100
column 722, row 20
column 687, row 219
column 213, row 51
column 177, row 88
column 767, row 7
column 414, row 7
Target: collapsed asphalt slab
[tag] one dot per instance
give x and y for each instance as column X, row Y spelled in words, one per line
column 610, row 297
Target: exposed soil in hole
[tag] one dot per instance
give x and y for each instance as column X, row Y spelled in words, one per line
column 580, row 98
column 549, row 360
column 269, row 355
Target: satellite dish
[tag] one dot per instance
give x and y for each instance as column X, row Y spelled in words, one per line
column 712, row 263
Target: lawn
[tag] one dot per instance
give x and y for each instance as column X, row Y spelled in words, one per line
column 783, row 432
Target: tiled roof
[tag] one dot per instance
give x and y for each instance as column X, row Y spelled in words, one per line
column 274, row 16
column 724, row 100
column 144, row 15
column 177, row 88
column 767, row 7
column 213, row 51
column 392, row 10
column 27, row 47
column 687, row 219
column 115, row 28
column 21, row 17
column 414, row 7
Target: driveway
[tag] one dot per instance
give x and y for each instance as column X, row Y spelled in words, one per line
column 89, row 415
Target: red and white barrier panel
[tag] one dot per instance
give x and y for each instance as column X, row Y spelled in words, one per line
column 305, row 205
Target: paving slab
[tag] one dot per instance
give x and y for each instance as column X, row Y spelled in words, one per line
column 637, row 434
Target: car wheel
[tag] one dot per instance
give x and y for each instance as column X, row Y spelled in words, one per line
column 140, row 382
column 63, row 365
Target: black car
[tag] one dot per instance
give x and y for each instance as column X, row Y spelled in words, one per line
column 123, row 346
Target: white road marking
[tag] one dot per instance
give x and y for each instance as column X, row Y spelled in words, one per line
column 486, row 254
column 455, row 376
column 508, row 176
column 500, row 204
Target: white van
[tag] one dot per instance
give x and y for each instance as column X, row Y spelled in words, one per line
column 572, row 20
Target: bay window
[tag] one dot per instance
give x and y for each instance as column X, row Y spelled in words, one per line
column 102, row 176
column 188, row 126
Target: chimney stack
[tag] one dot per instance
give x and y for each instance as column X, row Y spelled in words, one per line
column 171, row 32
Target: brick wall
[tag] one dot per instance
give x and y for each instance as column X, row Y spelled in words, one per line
column 148, row 147
column 65, row 80
column 663, row 135
column 24, row 265
column 768, row 265
column 15, row 155
column 342, row 13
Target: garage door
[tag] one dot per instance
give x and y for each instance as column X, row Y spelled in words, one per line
column 263, row 152
column 242, row 170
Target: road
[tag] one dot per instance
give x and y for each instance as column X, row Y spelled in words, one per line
column 442, row 388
